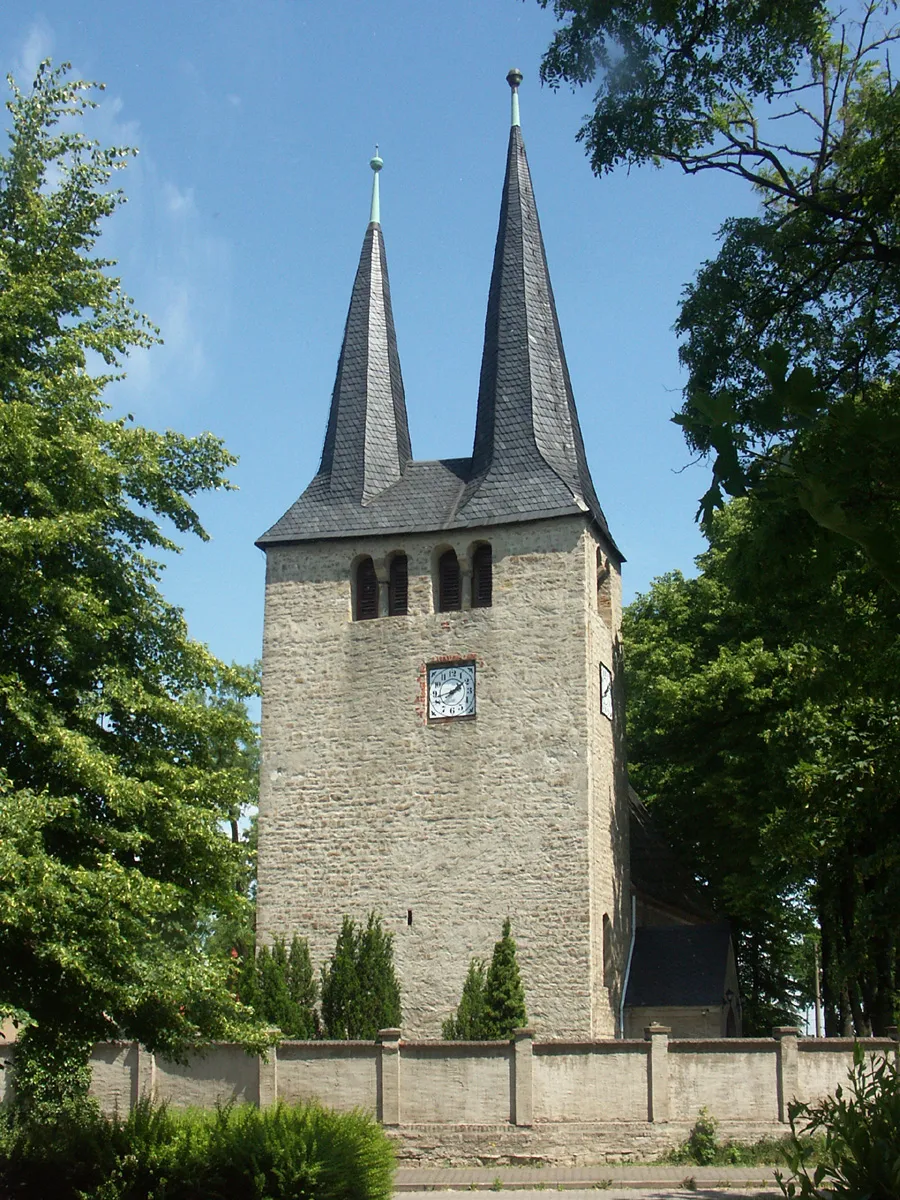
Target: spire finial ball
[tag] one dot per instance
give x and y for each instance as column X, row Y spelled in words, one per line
column 514, row 77
column 376, row 162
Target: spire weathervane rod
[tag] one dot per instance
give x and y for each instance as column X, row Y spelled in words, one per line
column 514, row 78
column 376, row 163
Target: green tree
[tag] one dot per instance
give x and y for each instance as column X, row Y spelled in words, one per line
column 112, row 779
column 468, row 1022
column 764, row 731
column 360, row 993
column 504, row 996
column 492, row 1004
column 303, row 989
column 791, row 333
column 284, row 988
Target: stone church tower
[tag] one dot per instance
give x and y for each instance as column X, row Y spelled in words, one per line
column 441, row 686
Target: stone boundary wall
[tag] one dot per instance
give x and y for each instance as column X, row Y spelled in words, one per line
column 520, row 1101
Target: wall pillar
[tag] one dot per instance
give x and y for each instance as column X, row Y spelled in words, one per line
column 657, row 1072
column 383, row 575
column 143, row 1082
column 465, row 580
column 522, row 1089
column 893, row 1033
column 268, row 1078
column 788, row 1068
column 389, row 1077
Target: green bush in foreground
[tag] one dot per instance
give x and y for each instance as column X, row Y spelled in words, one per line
column 861, row 1128
column 236, row 1152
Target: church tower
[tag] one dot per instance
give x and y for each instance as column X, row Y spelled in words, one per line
column 441, row 728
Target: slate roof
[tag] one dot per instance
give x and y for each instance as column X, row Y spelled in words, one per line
column 528, row 460
column 656, row 871
column 675, row 965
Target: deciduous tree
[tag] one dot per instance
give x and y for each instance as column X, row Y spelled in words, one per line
column 791, row 332
column 113, row 778
column 765, row 732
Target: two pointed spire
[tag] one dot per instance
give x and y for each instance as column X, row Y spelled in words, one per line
column 528, row 459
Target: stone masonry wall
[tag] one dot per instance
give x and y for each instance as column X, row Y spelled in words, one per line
column 507, row 1102
column 520, row 811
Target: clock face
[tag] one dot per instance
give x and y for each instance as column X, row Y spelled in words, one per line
column 451, row 691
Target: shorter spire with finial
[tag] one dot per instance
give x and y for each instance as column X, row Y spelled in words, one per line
column 514, row 78
column 376, row 163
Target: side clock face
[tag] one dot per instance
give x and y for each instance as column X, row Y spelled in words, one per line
column 451, row 691
column 606, row 692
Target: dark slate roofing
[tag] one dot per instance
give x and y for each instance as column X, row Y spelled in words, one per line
column 367, row 439
column 528, row 447
column 656, row 871
column 367, row 444
column 679, row 965
column 529, row 460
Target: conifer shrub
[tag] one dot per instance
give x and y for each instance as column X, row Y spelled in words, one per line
column 280, row 986
column 360, row 993
column 467, row 1023
column 236, row 1152
column 492, row 1005
column 504, row 995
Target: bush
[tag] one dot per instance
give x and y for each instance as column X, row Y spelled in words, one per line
column 237, row 1152
column 492, row 1005
column 702, row 1148
column 861, row 1128
column 360, row 993
column 467, row 1024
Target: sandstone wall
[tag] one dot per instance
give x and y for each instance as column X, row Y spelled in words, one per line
column 520, row 811
column 524, row 1101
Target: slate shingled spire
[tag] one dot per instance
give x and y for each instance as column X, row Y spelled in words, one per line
column 367, row 439
column 528, row 461
column 528, row 446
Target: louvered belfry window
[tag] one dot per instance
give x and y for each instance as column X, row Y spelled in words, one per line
column 482, row 577
column 449, row 587
column 398, row 587
column 366, row 591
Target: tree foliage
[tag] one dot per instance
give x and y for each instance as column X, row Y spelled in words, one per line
column 492, row 1005
column 360, row 993
column 280, row 986
column 113, row 776
column 860, row 1125
column 468, row 1023
column 792, row 333
column 764, row 730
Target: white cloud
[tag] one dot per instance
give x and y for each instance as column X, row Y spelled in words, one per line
column 37, row 46
column 167, row 255
column 178, row 203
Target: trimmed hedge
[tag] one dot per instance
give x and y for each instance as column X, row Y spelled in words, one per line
column 237, row 1152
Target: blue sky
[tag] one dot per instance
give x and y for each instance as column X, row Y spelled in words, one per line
column 247, row 208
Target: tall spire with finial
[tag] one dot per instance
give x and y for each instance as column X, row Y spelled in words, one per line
column 528, row 455
column 367, row 439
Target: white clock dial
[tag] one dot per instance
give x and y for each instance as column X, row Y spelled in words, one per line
column 451, row 691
